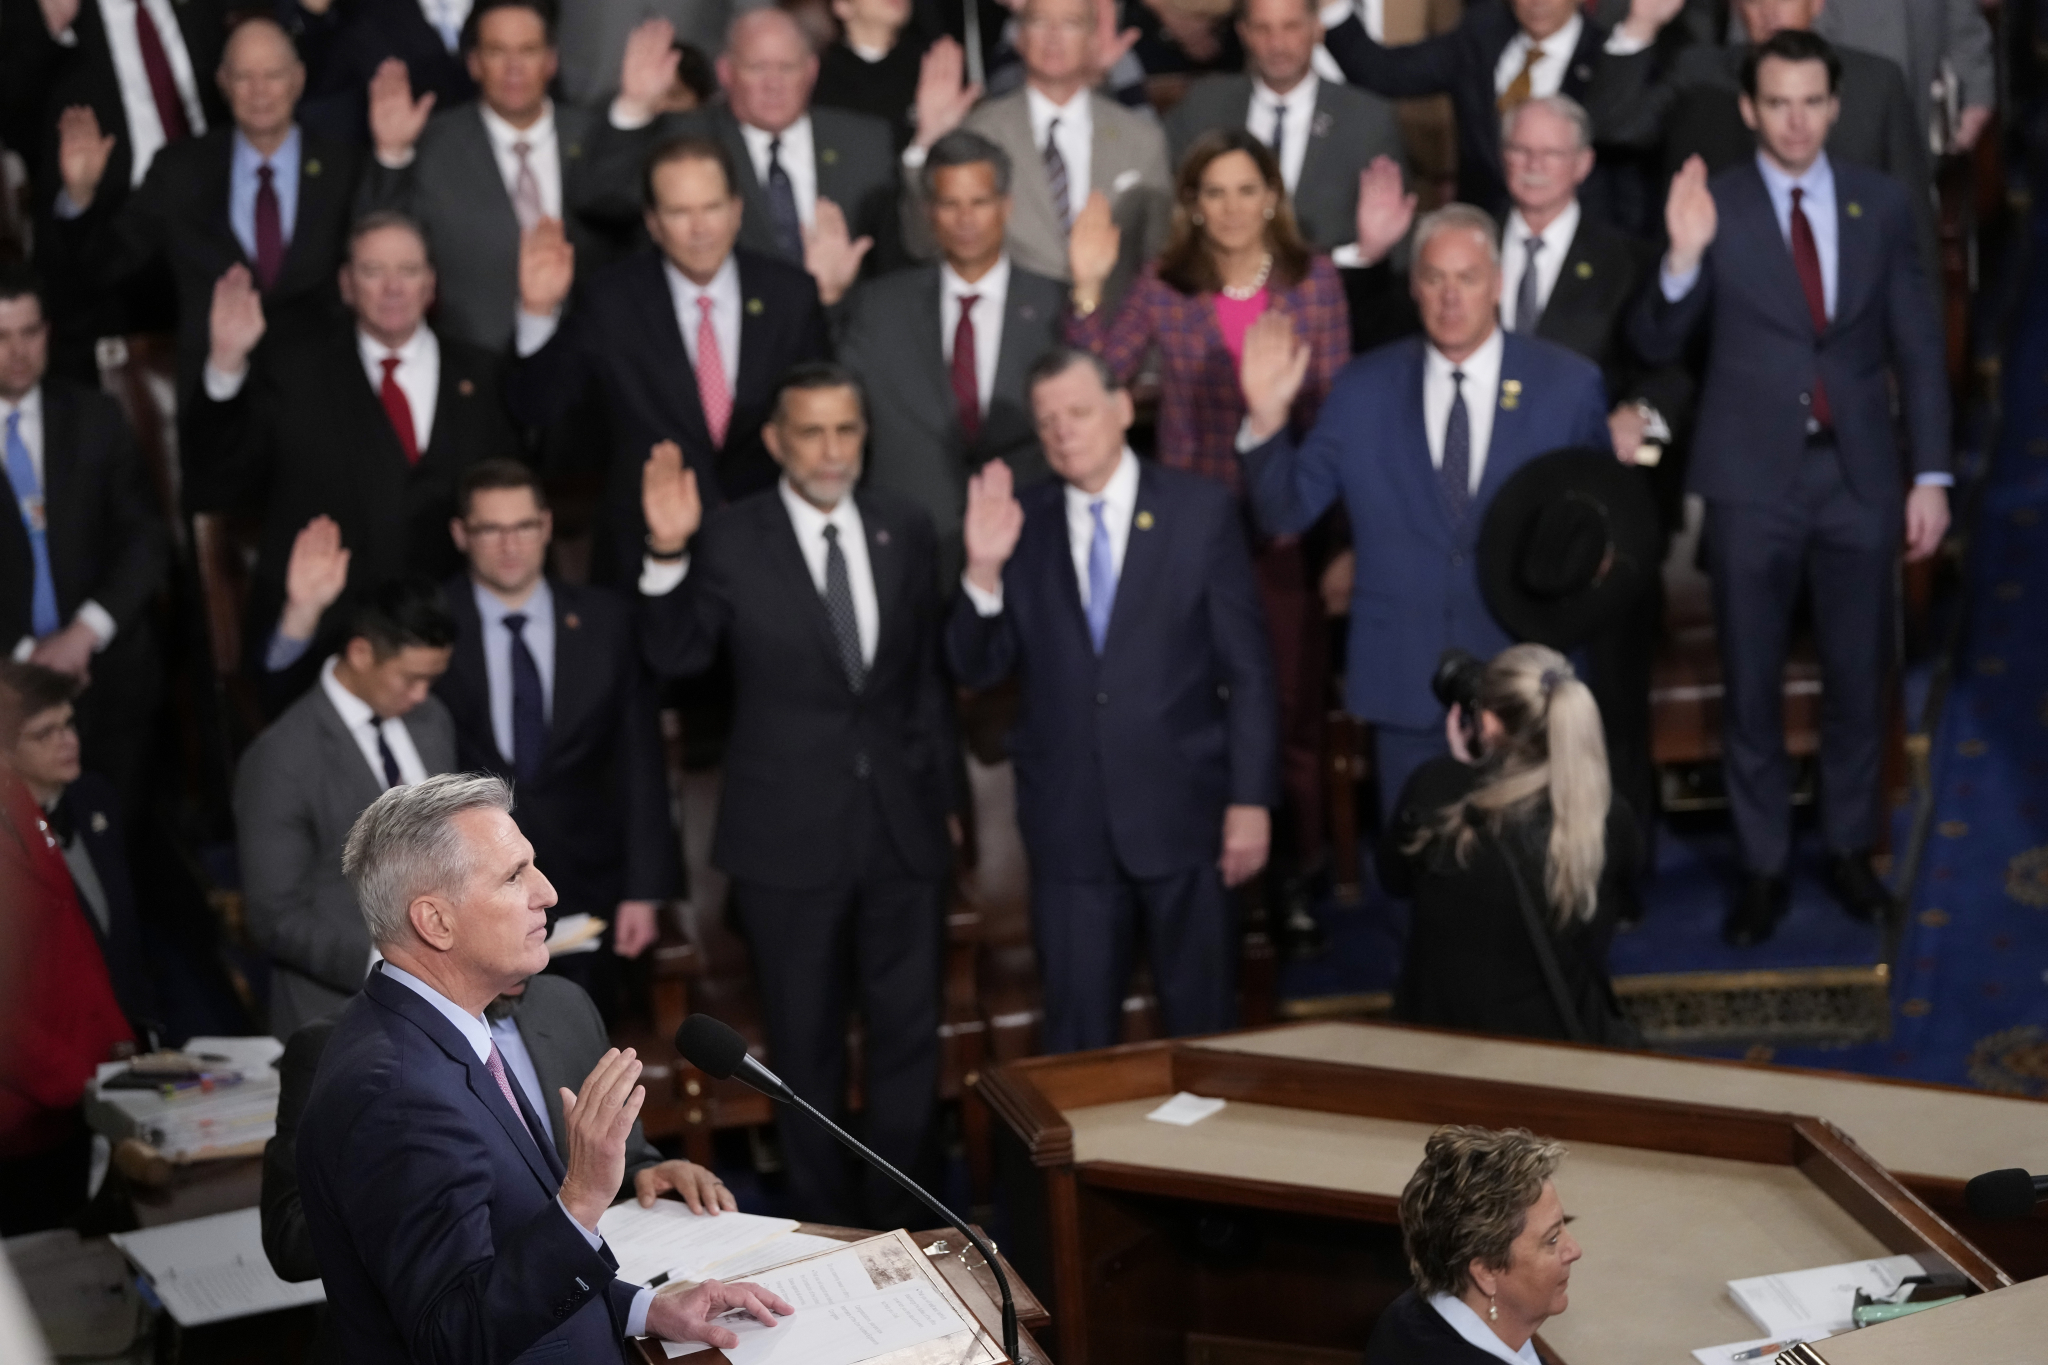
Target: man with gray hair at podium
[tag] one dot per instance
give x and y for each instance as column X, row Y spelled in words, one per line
column 1486, row 1239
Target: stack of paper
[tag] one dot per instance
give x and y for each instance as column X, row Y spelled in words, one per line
column 212, row 1269
column 1809, row 1304
column 234, row 1120
column 667, row 1242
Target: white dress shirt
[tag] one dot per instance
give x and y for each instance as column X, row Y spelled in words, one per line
column 363, row 727
column 418, row 375
column 1514, row 259
column 541, row 154
column 1548, row 76
column 138, row 102
column 478, row 1034
column 724, row 293
column 519, row 1066
column 1299, row 105
column 1076, row 138
column 539, row 634
column 447, row 18
column 95, row 616
column 1119, row 499
column 1482, row 390
column 810, row 526
column 1467, row 1324
column 799, row 160
column 1371, row 13
column 992, row 293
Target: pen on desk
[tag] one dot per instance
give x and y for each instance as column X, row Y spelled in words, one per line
column 1767, row 1349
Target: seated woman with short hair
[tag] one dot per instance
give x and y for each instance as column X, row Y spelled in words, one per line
column 1486, row 1240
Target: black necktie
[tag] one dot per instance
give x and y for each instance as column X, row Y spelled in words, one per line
column 1455, row 474
column 1279, row 140
column 782, row 214
column 385, row 756
column 1527, row 310
column 529, row 714
column 839, row 607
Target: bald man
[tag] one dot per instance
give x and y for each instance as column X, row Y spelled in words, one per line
column 257, row 192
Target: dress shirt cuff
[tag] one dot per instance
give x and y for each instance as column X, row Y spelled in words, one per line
column 1335, row 13
column 660, row 577
column 68, row 38
column 588, row 1236
column 222, row 386
column 97, row 620
column 1247, row 439
column 1675, row 286
column 984, row 603
column 533, row 332
column 66, row 208
column 636, row 1316
column 1620, row 44
column 624, row 119
column 913, row 157
column 397, row 163
column 1933, row 478
column 1349, row 257
column 23, row 647
column 282, row 652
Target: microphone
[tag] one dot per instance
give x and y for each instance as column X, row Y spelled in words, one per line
column 719, row 1052
column 2010, row 1193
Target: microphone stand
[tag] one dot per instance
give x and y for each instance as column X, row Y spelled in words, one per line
column 988, row 1254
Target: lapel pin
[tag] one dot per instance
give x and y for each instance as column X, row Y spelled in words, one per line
column 1510, row 394
column 754, row 308
column 1855, row 209
column 1320, row 125
column 1143, row 521
column 574, row 150
column 572, row 621
column 827, row 157
column 882, row 537
column 313, row 167
column 99, row 822
column 1028, row 312
column 1584, row 270
column 465, row 387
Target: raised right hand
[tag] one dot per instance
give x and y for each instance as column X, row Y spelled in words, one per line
column 1092, row 247
column 313, row 577
column 396, row 118
column 943, row 97
column 599, row 1119
column 1386, row 209
column 547, row 267
column 235, row 323
column 1690, row 218
column 668, row 499
column 1274, row 367
column 994, row 521
column 81, row 153
column 649, row 67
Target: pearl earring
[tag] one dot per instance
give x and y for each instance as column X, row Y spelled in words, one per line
column 1492, row 1309
column 1195, row 218
column 1269, row 215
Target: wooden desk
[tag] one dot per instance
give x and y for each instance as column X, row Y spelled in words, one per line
column 1277, row 1218
column 1990, row 1329
column 977, row 1288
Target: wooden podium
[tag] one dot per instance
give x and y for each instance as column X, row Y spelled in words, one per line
column 1991, row 1329
column 1269, row 1232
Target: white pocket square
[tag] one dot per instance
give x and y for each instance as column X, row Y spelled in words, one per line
column 1125, row 181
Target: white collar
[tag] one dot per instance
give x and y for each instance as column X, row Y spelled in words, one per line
column 1819, row 178
column 491, row 608
column 1302, row 96
column 796, row 138
column 355, row 713
column 414, row 347
column 1561, row 44
column 1556, row 237
column 870, row 55
column 1076, row 112
column 993, row 284
column 1476, row 367
column 683, row 287
column 1119, row 493
column 1468, row 1325
column 535, row 135
column 474, row 1030
column 810, row 523
column 31, row 405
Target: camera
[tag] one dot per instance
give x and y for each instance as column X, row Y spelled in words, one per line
column 1456, row 683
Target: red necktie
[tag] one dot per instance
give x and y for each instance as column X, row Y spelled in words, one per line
column 1806, row 260
column 966, row 377
column 163, row 87
column 398, row 409
column 269, row 229
column 712, row 390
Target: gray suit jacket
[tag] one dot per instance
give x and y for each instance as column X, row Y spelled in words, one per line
column 1918, row 35
column 891, row 339
column 1127, row 146
column 453, row 187
column 298, row 789
column 1351, row 126
column 855, row 162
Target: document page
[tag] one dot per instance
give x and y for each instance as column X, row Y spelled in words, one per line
column 212, row 1269
column 668, row 1242
column 1808, row 1303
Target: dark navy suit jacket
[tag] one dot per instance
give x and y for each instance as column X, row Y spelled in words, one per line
column 1753, row 408
column 1416, row 591
column 1129, row 759
column 432, row 1214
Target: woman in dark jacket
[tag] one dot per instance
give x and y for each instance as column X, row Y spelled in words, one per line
column 1531, row 817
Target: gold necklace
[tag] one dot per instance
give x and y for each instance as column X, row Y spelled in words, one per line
column 1248, row 291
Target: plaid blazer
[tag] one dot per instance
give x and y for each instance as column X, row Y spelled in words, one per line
column 1201, row 405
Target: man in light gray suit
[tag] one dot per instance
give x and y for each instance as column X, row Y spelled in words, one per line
column 1324, row 134
column 1922, row 35
column 479, row 175
column 943, row 349
column 1066, row 142
column 368, row 726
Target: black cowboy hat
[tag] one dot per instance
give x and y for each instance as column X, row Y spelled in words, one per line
column 1570, row 542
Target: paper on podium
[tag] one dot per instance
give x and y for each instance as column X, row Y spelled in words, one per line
column 878, row 1300
column 1813, row 1303
column 213, row 1269
column 668, row 1242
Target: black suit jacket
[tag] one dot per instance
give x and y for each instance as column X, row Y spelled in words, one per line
column 621, row 335
column 91, row 811
column 179, row 214
column 343, row 48
column 597, row 814
column 306, row 435
column 106, row 537
column 806, row 750
column 564, row 1036
column 1410, row 1332
column 1127, row 759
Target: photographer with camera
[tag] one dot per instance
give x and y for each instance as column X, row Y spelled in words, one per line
column 1516, row 856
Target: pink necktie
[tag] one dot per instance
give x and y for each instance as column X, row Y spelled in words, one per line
column 495, row 1064
column 712, row 390
column 526, row 205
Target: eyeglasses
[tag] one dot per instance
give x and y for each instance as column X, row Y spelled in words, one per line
column 518, row 530
column 1521, row 151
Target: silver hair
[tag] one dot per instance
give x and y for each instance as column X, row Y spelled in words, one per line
column 1457, row 217
column 749, row 17
column 1564, row 106
column 405, row 846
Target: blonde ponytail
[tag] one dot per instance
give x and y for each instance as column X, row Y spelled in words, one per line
column 1579, row 798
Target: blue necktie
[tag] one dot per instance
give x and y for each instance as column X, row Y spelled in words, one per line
column 1456, row 472
column 782, row 215
column 1101, row 579
column 389, row 760
column 21, row 472
column 529, row 714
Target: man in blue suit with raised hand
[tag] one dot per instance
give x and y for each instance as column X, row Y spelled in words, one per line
column 1416, row 437
column 1147, row 752
column 1808, row 274
column 446, row 1227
